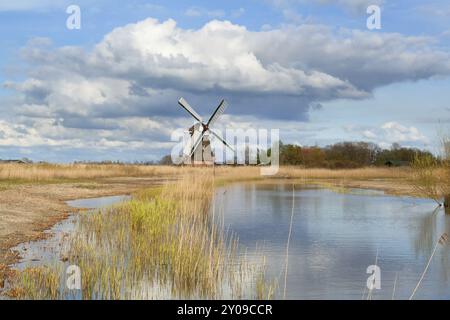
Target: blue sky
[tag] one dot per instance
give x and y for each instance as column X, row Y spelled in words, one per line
column 308, row 67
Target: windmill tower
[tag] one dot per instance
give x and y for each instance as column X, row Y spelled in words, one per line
column 198, row 149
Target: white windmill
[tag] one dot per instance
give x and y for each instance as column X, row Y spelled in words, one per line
column 198, row 148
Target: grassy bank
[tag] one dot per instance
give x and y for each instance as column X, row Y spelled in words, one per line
column 161, row 244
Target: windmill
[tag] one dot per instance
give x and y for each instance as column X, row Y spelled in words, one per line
column 198, row 149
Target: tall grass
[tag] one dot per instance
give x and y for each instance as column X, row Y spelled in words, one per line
column 360, row 173
column 431, row 177
column 297, row 172
column 45, row 172
column 158, row 245
column 48, row 172
column 427, row 177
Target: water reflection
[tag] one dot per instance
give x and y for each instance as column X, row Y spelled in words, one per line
column 431, row 229
column 336, row 236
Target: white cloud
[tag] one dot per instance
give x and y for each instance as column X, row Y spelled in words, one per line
column 369, row 134
column 395, row 132
column 389, row 133
column 219, row 55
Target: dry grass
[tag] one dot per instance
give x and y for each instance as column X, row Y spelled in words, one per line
column 227, row 174
column 49, row 172
column 426, row 178
column 361, row 174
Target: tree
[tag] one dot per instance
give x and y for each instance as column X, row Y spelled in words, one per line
column 351, row 154
column 166, row 161
column 402, row 154
column 291, row 155
column 313, row 157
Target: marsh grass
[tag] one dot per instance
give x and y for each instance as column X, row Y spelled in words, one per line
column 163, row 243
column 36, row 283
column 23, row 173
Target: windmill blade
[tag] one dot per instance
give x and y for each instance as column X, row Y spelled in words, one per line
column 189, row 109
column 220, row 138
column 197, row 143
column 219, row 111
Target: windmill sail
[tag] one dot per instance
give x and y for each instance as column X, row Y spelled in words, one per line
column 220, row 139
column 189, row 109
column 219, row 111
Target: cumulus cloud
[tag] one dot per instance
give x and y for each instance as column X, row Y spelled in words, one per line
column 399, row 133
column 133, row 77
column 147, row 60
column 389, row 133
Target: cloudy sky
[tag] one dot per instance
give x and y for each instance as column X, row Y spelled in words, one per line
column 308, row 67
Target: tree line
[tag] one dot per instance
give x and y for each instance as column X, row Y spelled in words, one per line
column 349, row 155
column 341, row 155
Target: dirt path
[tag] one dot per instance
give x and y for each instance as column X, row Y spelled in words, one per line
column 29, row 209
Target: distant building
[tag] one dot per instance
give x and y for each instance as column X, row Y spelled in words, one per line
column 396, row 163
column 23, row 161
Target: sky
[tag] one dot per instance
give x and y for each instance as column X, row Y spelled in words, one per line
column 311, row 68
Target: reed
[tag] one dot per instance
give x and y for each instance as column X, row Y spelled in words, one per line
column 36, row 283
column 54, row 172
column 443, row 239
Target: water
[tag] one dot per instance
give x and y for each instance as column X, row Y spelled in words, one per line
column 96, row 203
column 337, row 236
column 49, row 249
